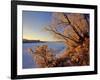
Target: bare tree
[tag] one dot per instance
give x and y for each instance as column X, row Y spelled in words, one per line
column 71, row 27
column 43, row 56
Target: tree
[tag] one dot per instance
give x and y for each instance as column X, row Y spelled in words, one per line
column 71, row 27
column 43, row 56
column 73, row 30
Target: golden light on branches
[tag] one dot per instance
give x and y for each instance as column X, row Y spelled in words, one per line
column 73, row 30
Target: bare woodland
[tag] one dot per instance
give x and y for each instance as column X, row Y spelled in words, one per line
column 73, row 30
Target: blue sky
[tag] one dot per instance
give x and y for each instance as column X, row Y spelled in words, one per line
column 34, row 24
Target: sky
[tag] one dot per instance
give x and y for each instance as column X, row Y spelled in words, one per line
column 34, row 22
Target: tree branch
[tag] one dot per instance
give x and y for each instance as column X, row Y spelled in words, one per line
column 63, row 36
column 73, row 27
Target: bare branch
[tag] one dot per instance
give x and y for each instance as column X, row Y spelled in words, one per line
column 58, row 33
column 73, row 27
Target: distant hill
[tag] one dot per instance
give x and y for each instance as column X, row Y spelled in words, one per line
column 37, row 41
column 30, row 41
